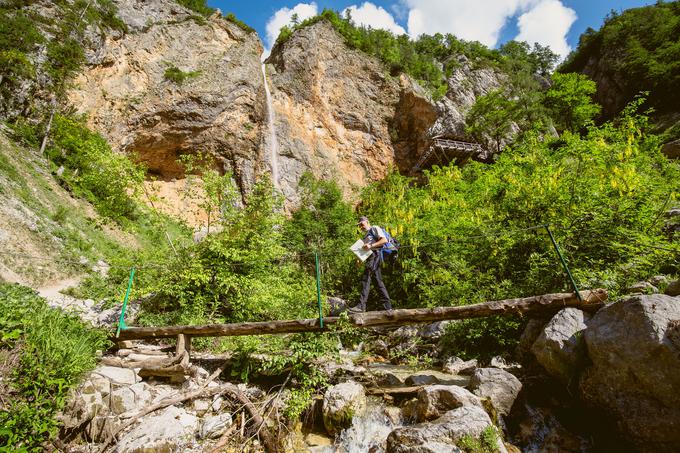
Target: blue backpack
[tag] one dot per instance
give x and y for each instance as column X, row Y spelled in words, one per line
column 390, row 251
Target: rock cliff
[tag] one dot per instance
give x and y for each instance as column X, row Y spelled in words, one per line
column 130, row 95
column 337, row 112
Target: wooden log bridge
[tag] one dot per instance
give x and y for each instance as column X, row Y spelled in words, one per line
column 536, row 305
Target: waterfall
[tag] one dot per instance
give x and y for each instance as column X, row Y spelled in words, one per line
column 273, row 141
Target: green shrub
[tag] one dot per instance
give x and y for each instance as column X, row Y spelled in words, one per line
column 93, row 170
column 53, row 350
column 199, row 6
column 242, row 25
column 174, row 74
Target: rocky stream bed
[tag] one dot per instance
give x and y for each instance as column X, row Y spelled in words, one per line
column 603, row 382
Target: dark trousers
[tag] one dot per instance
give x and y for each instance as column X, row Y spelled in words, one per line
column 372, row 269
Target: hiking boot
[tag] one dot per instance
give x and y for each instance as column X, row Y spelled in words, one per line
column 356, row 309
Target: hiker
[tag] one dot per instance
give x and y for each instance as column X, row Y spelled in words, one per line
column 375, row 239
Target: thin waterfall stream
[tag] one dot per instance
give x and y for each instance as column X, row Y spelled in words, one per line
column 271, row 124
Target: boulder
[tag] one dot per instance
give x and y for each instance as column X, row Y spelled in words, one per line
column 421, row 379
column 560, row 348
column 433, row 331
column 456, row 365
column 634, row 346
column 340, row 404
column 673, row 289
column 120, row 376
column 170, row 430
column 127, row 399
column 214, row 426
column 440, row 435
column 435, row 400
column 642, row 288
column 498, row 385
column 671, row 149
column 531, row 332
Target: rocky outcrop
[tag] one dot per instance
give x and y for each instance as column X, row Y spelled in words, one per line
column 435, row 400
column 338, row 111
column 341, row 404
column 499, row 386
column 634, row 346
column 130, row 96
column 560, row 348
column 440, row 435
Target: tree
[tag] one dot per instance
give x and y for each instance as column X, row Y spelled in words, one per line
column 569, row 101
column 490, row 119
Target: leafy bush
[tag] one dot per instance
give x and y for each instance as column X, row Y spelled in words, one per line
column 241, row 273
column 93, row 170
column 174, row 74
column 199, row 6
column 640, row 50
column 242, row 25
column 466, row 231
column 53, row 350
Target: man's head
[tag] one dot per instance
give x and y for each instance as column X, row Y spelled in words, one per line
column 363, row 223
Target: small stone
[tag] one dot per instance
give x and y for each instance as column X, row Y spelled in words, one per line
column 201, row 407
column 421, row 379
column 214, row 426
column 673, row 289
column 456, row 365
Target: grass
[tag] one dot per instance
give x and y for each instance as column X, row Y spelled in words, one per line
column 51, row 351
column 174, row 74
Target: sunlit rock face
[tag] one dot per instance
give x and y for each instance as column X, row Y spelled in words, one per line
column 334, row 108
column 130, row 96
column 336, row 112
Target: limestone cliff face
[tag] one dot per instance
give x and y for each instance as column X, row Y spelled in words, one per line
column 219, row 109
column 338, row 113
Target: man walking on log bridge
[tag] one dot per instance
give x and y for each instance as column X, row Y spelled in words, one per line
column 374, row 239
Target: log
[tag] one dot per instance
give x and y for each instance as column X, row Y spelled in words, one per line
column 535, row 305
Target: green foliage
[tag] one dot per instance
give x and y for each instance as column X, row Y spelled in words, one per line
column 242, row 25
column 199, row 6
column 243, row 272
column 466, row 234
column 490, row 119
column 54, row 350
column 324, row 223
column 93, row 170
column 641, row 51
column 174, row 74
column 486, row 442
column 569, row 100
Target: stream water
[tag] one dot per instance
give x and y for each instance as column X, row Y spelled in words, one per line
column 368, row 433
column 272, row 141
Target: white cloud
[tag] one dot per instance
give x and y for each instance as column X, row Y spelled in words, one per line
column 370, row 15
column 476, row 20
column 548, row 24
column 283, row 17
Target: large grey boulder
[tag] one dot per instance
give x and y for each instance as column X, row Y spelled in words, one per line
column 499, row 386
column 341, row 404
column 671, row 149
column 440, row 435
column 634, row 346
column 169, row 430
column 560, row 348
column 435, row 400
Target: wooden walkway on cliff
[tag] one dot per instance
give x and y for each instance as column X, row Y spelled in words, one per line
column 536, row 305
column 447, row 150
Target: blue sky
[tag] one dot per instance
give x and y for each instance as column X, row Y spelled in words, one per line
column 557, row 23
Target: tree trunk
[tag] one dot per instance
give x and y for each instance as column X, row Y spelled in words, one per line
column 546, row 304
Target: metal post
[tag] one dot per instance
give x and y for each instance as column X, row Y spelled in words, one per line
column 121, row 320
column 318, row 289
column 564, row 263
